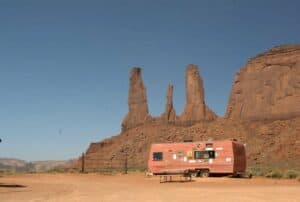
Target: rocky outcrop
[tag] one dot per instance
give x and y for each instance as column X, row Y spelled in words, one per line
column 169, row 116
column 137, row 101
column 263, row 112
column 195, row 109
column 263, row 140
column 268, row 87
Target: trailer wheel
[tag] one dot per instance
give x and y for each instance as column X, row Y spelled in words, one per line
column 196, row 173
column 204, row 173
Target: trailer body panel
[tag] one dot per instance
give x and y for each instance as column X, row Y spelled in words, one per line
column 227, row 157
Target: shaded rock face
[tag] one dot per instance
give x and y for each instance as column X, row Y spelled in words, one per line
column 268, row 87
column 169, row 116
column 195, row 108
column 137, row 101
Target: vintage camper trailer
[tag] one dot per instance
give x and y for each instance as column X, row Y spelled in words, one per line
column 198, row 158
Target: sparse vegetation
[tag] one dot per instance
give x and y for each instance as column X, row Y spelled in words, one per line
column 274, row 174
column 255, row 171
column 7, row 172
column 57, row 170
column 291, row 174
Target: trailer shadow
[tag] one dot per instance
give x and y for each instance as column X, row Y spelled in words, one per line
column 177, row 181
column 6, row 185
column 175, row 178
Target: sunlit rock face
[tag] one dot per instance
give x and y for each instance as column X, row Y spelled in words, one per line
column 268, row 87
column 169, row 116
column 137, row 101
column 195, row 109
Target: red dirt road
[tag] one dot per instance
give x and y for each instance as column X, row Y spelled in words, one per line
column 137, row 187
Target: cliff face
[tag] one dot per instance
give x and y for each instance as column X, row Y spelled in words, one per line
column 268, row 87
column 263, row 112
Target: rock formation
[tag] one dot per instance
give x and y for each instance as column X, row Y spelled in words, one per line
column 169, row 116
column 195, row 108
column 137, row 101
column 268, row 87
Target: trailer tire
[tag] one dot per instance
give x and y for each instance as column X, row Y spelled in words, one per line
column 204, row 173
column 196, row 173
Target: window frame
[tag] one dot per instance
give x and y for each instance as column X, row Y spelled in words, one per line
column 211, row 154
column 154, row 158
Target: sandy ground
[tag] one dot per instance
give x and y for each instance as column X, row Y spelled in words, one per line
column 138, row 187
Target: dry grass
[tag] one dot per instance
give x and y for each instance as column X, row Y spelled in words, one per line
column 291, row 174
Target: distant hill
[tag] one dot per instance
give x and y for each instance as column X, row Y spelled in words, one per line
column 17, row 165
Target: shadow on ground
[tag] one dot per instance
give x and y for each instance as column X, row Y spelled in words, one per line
column 11, row 185
column 177, row 181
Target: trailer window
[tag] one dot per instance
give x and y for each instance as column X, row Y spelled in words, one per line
column 157, row 156
column 204, row 154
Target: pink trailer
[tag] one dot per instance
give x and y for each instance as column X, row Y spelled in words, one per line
column 198, row 158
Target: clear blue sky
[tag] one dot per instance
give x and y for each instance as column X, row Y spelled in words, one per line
column 64, row 64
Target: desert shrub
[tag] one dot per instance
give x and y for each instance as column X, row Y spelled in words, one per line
column 274, row 174
column 59, row 170
column 255, row 171
column 291, row 174
column 7, row 172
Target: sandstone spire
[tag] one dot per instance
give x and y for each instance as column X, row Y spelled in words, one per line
column 169, row 115
column 195, row 108
column 137, row 101
column 268, row 87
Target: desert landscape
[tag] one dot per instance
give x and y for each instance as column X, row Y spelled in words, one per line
column 138, row 187
column 150, row 101
column 263, row 112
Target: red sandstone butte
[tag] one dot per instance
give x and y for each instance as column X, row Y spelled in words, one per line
column 195, row 109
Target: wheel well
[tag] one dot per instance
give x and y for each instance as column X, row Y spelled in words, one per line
column 201, row 169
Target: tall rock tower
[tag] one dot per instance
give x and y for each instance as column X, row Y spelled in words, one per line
column 137, row 101
column 195, row 108
column 169, row 116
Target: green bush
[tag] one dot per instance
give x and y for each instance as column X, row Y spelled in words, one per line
column 291, row 174
column 274, row 174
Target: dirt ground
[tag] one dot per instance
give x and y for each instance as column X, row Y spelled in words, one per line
column 138, row 187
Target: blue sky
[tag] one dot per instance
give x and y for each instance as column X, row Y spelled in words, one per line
column 64, row 64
